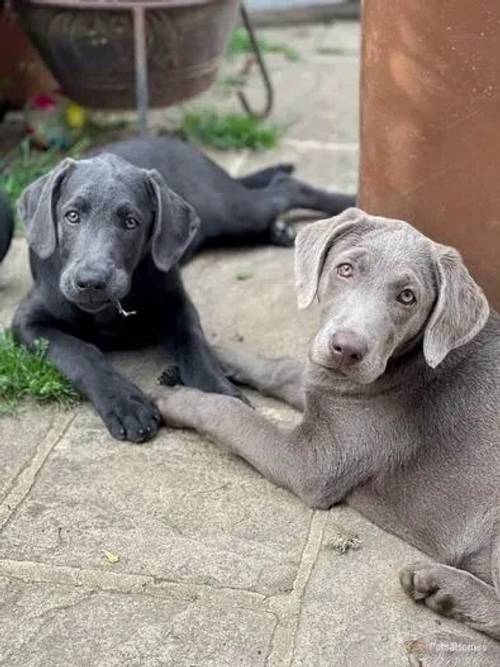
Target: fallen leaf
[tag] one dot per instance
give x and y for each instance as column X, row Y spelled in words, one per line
column 111, row 557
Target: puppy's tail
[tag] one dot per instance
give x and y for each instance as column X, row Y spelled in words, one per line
column 6, row 225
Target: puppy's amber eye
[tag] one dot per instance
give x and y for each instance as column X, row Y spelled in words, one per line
column 344, row 270
column 130, row 223
column 73, row 217
column 407, row 297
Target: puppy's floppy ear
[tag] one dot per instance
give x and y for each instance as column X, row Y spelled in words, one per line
column 461, row 309
column 36, row 208
column 176, row 223
column 312, row 245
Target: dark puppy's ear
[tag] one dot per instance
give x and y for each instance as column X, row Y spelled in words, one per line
column 461, row 309
column 313, row 243
column 176, row 223
column 36, row 208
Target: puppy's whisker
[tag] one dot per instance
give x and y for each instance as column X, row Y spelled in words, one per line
column 121, row 309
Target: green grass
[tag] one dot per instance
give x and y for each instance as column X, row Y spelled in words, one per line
column 239, row 44
column 228, row 131
column 26, row 373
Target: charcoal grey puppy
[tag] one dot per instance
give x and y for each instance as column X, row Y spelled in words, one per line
column 6, row 225
column 106, row 237
column 401, row 401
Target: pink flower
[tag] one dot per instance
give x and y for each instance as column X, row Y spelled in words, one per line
column 44, row 102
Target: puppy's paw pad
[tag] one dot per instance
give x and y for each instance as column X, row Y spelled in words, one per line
column 418, row 580
column 429, row 583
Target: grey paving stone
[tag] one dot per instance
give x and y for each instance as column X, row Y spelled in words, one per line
column 20, row 434
column 43, row 624
column 342, row 38
column 176, row 508
column 354, row 612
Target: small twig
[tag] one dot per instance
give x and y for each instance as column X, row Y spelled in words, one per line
column 122, row 311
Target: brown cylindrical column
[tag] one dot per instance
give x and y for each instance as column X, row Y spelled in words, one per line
column 430, row 123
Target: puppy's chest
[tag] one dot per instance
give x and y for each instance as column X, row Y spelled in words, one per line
column 377, row 424
column 111, row 329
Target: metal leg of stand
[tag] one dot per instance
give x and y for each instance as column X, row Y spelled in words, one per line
column 141, row 68
column 266, row 79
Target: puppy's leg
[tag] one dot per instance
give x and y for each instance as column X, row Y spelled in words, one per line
column 278, row 378
column 196, row 362
column 279, row 456
column 286, row 193
column 454, row 593
column 253, row 214
column 127, row 412
column 262, row 178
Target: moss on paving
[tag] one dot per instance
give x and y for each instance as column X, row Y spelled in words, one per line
column 229, row 131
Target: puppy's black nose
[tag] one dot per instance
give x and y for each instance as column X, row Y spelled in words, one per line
column 347, row 348
column 90, row 280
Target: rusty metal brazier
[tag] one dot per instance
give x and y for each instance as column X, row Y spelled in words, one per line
column 89, row 46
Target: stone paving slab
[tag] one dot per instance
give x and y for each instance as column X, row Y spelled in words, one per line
column 354, row 611
column 176, row 508
column 27, row 429
column 134, row 629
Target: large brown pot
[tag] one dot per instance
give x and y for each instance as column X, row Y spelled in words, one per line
column 89, row 46
column 430, row 129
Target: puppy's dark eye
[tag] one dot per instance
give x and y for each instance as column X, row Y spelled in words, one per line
column 407, row 297
column 73, row 217
column 344, row 270
column 130, row 222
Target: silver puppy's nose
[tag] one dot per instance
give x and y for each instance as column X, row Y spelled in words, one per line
column 348, row 348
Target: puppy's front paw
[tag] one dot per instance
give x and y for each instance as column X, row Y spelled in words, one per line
column 129, row 414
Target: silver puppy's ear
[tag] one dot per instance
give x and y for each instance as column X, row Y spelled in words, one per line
column 176, row 223
column 461, row 309
column 36, row 209
column 311, row 248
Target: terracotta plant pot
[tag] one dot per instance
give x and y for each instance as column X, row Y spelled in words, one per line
column 89, row 46
column 430, row 108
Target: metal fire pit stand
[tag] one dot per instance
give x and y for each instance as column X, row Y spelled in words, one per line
column 141, row 67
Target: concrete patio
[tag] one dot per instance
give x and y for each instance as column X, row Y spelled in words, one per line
column 172, row 552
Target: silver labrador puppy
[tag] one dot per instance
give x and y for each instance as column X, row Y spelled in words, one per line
column 401, row 401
